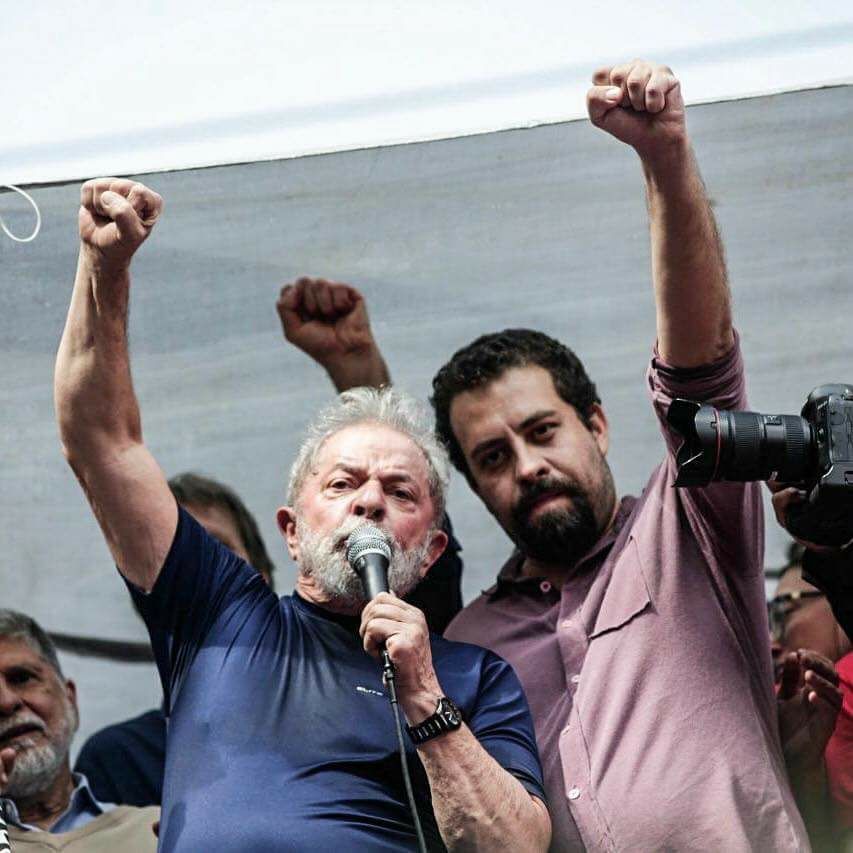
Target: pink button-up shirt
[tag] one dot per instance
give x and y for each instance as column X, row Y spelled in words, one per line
column 649, row 674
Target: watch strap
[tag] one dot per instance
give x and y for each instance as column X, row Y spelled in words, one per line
column 447, row 718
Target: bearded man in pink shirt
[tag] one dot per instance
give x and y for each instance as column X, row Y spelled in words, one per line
column 637, row 626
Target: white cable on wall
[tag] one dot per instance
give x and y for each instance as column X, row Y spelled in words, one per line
column 37, row 228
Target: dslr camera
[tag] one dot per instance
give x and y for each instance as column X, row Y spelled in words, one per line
column 812, row 451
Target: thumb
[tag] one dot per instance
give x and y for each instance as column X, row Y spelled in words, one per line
column 600, row 100
column 790, row 677
column 121, row 211
column 288, row 310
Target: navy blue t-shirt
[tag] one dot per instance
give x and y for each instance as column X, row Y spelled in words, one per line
column 280, row 734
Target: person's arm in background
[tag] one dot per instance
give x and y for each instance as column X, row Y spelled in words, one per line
column 97, row 410
column 827, row 568
column 640, row 104
column 328, row 321
column 831, row 571
column 809, row 701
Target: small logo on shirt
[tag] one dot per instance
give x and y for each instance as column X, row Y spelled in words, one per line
column 360, row 689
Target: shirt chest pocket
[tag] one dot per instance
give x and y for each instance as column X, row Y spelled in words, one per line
column 617, row 596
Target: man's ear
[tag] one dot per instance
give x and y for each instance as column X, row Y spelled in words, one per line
column 437, row 544
column 599, row 427
column 286, row 519
column 71, row 693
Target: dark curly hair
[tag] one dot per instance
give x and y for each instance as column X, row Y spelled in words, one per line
column 489, row 357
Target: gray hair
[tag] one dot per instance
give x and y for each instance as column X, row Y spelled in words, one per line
column 18, row 626
column 386, row 406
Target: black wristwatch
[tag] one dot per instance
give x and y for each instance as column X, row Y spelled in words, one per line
column 446, row 718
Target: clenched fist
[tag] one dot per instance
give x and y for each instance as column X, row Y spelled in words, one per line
column 116, row 216
column 390, row 623
column 640, row 104
column 328, row 321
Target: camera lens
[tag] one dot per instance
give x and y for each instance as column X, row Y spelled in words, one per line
column 753, row 446
column 742, row 446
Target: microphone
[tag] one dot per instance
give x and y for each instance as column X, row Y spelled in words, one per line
column 369, row 554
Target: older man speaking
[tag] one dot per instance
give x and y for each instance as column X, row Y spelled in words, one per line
column 280, row 735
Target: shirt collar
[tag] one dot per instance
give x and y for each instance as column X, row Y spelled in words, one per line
column 82, row 802
column 350, row 623
column 510, row 579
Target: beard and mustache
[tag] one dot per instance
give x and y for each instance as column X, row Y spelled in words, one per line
column 560, row 535
column 323, row 558
column 37, row 765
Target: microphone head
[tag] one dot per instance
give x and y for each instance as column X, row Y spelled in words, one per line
column 367, row 539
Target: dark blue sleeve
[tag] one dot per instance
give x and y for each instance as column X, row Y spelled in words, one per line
column 201, row 580
column 502, row 724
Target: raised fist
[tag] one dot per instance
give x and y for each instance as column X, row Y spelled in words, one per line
column 116, row 216
column 328, row 321
column 640, row 104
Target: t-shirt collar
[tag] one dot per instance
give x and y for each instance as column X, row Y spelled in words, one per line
column 351, row 623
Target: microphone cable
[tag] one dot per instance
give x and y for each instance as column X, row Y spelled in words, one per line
column 389, row 682
column 368, row 552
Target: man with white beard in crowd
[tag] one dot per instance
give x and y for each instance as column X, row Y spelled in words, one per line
column 44, row 803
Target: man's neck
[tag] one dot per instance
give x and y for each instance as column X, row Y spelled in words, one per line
column 46, row 807
column 558, row 573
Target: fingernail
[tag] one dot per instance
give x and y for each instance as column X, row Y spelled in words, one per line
column 613, row 93
column 107, row 198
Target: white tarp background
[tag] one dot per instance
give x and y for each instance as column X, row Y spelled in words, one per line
column 93, row 88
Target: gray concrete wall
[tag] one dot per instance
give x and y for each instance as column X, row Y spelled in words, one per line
column 544, row 228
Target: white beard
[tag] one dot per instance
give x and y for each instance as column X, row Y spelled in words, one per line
column 36, row 766
column 326, row 564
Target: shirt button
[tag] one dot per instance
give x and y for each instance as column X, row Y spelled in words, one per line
column 545, row 586
column 566, row 623
column 574, row 793
column 575, row 679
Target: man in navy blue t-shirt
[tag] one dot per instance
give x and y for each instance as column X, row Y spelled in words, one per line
column 280, row 734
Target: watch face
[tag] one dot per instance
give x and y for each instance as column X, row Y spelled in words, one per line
column 450, row 713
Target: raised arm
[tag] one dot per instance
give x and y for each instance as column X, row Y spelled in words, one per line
column 640, row 104
column 96, row 408
column 328, row 321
